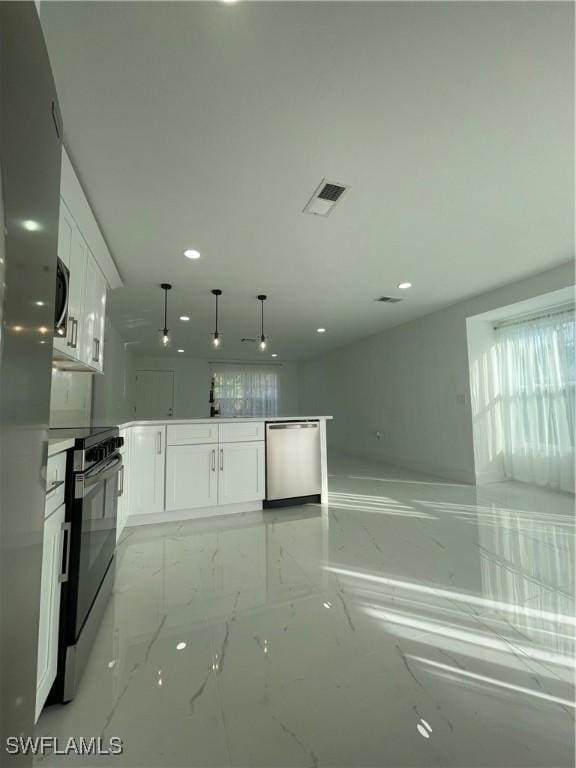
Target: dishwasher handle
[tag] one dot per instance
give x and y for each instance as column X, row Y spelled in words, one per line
column 294, row 425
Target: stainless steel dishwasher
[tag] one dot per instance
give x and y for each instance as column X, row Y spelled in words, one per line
column 293, row 473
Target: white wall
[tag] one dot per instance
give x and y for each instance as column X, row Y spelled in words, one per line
column 81, row 399
column 113, row 396
column 70, row 399
column 412, row 383
column 192, row 384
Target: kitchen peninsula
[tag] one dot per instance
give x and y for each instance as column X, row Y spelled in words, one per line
column 178, row 469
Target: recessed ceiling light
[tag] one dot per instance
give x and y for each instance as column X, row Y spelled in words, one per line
column 40, row 303
column 320, row 330
column 229, row 2
column 190, row 253
column 184, row 318
column 180, row 646
column 180, row 350
column 31, row 225
column 404, row 286
column 274, row 354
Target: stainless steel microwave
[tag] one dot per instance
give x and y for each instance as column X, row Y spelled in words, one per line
column 61, row 303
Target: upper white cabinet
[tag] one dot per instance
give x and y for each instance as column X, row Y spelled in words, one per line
column 146, row 475
column 92, row 348
column 92, row 271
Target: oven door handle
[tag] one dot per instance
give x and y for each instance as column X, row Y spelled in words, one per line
column 85, row 482
column 66, row 532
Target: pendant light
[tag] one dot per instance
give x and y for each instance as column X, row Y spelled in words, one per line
column 262, row 299
column 164, row 332
column 216, row 336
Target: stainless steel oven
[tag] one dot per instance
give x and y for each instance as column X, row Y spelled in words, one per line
column 92, row 488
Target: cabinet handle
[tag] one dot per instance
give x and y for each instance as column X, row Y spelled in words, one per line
column 71, row 321
column 66, row 530
column 213, row 459
column 221, row 459
column 56, row 484
column 159, row 442
column 121, row 482
column 96, row 350
column 75, row 333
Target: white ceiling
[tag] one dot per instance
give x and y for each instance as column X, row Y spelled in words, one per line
column 208, row 126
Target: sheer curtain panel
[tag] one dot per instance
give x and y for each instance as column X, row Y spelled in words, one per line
column 537, row 375
column 246, row 390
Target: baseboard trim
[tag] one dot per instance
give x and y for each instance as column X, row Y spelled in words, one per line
column 177, row 515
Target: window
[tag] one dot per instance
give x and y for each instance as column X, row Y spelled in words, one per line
column 537, row 374
column 246, row 390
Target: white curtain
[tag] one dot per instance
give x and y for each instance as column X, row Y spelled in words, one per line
column 537, row 377
column 246, row 390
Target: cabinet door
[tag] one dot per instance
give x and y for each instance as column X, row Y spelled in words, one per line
column 146, row 475
column 65, row 227
column 88, row 351
column 241, row 472
column 99, row 304
column 49, row 606
column 191, row 476
column 76, row 293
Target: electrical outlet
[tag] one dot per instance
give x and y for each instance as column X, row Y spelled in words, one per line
column 378, row 434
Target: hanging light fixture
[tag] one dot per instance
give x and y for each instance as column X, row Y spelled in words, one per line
column 216, row 336
column 262, row 299
column 164, row 332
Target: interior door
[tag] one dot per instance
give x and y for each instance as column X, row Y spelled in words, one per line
column 154, row 394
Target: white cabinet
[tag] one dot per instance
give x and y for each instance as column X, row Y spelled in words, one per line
column 92, row 338
column 191, row 434
column 65, row 227
column 147, row 464
column 191, row 476
column 241, row 468
column 123, row 486
column 49, row 606
column 241, row 431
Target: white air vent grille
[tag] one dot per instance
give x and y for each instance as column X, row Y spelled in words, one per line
column 325, row 197
column 388, row 299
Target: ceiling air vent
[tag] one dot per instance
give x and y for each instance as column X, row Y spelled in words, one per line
column 325, row 197
column 388, row 299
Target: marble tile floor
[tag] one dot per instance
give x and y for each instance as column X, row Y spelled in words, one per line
column 410, row 622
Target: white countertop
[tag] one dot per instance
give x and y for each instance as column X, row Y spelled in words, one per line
column 59, row 444
column 218, row 420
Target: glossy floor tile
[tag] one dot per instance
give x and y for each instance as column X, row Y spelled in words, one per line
column 410, row 622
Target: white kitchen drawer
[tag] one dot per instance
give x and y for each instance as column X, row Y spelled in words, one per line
column 55, row 482
column 247, row 431
column 191, row 434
